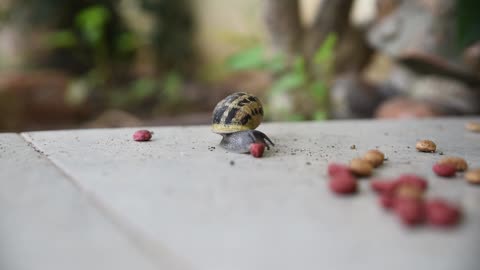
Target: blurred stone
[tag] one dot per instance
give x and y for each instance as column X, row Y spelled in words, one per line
column 419, row 33
column 471, row 57
column 114, row 119
column 379, row 68
column 448, row 95
column 352, row 97
column 36, row 100
column 403, row 107
column 402, row 78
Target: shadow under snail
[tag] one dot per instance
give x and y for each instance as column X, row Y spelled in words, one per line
column 235, row 118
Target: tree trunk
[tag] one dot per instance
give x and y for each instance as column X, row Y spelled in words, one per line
column 332, row 16
column 282, row 19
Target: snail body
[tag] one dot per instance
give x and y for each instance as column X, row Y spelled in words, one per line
column 235, row 118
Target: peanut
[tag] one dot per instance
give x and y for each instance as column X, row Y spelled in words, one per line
column 375, row 157
column 473, row 126
column 426, row 146
column 361, row 167
column 473, row 176
column 459, row 163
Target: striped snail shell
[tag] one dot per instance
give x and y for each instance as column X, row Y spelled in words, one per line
column 235, row 118
column 237, row 112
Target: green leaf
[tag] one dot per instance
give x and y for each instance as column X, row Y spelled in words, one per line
column 142, row 89
column 319, row 89
column 467, row 23
column 326, row 51
column 320, row 115
column 276, row 64
column 252, row 58
column 172, row 86
column 62, row 39
column 92, row 21
column 125, row 42
column 287, row 82
column 295, row 117
column 299, row 65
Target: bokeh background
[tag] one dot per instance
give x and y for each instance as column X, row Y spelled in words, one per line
column 112, row 63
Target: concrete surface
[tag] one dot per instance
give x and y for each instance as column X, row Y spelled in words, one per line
column 185, row 203
column 46, row 223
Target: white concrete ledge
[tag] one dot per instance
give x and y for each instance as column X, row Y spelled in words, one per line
column 204, row 208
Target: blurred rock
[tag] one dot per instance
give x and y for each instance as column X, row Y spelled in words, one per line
column 114, row 119
column 471, row 57
column 36, row 100
column 353, row 97
column 419, row 33
column 403, row 107
column 379, row 68
column 447, row 95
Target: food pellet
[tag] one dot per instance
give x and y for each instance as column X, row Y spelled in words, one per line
column 426, row 146
column 360, row 167
column 410, row 211
column 343, row 183
column 444, row 169
column 257, row 149
column 383, row 186
column 387, row 201
column 412, row 179
column 442, row 213
column 459, row 163
column 142, row 135
column 334, row 168
column 408, row 192
column 375, row 157
column 473, row 176
column 473, row 126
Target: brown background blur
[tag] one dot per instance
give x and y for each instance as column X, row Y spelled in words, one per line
column 107, row 63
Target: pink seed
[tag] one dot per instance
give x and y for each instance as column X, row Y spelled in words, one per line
column 257, row 149
column 343, row 183
column 383, row 187
column 142, row 135
column 334, row 168
column 387, row 200
column 410, row 211
column 444, row 169
column 441, row 213
column 412, row 179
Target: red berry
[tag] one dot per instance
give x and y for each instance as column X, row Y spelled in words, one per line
column 142, row 135
column 257, row 149
column 343, row 183
column 383, row 187
column 334, row 168
column 412, row 179
column 444, row 169
column 441, row 213
column 410, row 211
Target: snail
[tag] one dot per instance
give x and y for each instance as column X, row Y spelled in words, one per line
column 235, row 118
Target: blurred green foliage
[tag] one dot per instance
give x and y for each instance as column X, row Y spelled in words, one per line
column 468, row 22
column 90, row 40
column 291, row 77
column 173, row 33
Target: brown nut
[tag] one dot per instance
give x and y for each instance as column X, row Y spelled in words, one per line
column 426, row 146
column 360, row 167
column 375, row 157
column 409, row 192
column 473, row 176
column 473, row 126
column 459, row 163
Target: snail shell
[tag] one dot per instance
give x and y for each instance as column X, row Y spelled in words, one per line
column 237, row 112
